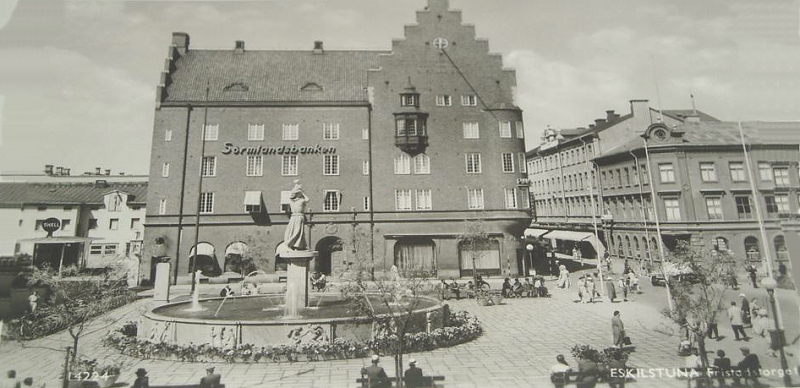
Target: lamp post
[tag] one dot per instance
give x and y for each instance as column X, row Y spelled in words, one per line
column 770, row 284
column 526, row 267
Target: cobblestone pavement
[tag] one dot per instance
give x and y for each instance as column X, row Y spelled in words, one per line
column 522, row 338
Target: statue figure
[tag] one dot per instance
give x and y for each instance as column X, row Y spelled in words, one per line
column 295, row 236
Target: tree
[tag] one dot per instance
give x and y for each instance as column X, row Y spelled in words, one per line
column 699, row 292
column 388, row 300
column 476, row 242
column 259, row 255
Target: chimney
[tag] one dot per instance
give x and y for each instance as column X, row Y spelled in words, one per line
column 101, row 183
column 239, row 48
column 108, row 171
column 610, row 116
column 59, row 170
column 97, row 171
column 181, row 42
column 599, row 122
column 318, row 47
column 48, row 169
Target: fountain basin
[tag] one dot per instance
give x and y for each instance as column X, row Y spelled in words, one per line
column 258, row 320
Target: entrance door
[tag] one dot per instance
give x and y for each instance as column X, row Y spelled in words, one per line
column 331, row 257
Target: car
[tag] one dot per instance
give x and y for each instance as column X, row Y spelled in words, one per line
column 684, row 278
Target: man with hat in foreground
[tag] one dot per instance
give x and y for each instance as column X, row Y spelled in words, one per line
column 376, row 376
column 142, row 381
column 211, row 379
column 413, row 375
column 750, row 368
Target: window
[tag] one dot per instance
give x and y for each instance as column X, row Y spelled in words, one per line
column 714, row 208
column 511, row 198
column 331, row 201
column 781, row 175
column 93, row 223
column 667, row 172
column 364, row 133
column 289, row 165
column 209, row 167
column 471, row 130
column 255, row 132
column 473, row 163
column 737, row 171
column 206, row 202
column 765, row 172
column 290, row 131
column 410, row 126
column 402, row 199
column 136, row 223
column 782, row 200
column 113, row 224
column 96, row 249
column 115, row 202
column 520, row 129
column 475, row 198
column 109, row 249
column 365, row 167
column 444, row 100
column 366, row 203
column 469, row 100
column 252, row 208
column 743, row 207
column 422, row 164
column 330, row 165
column 522, row 165
column 708, row 172
column 525, row 196
column 772, row 207
column 165, row 170
column 645, row 175
column 162, row 209
column 402, row 164
column 65, row 224
column 255, row 165
column 408, row 100
column 330, row 131
column 38, row 225
column 508, row 162
column 168, row 135
column 424, row 199
column 505, row 129
column 212, row 132
column 673, row 208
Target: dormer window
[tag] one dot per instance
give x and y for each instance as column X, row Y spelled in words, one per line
column 411, row 132
column 409, row 99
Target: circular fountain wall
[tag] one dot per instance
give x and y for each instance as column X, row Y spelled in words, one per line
column 259, row 320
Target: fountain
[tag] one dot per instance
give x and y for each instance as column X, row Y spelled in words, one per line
column 196, row 294
column 245, row 320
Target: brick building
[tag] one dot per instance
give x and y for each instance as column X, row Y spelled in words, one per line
column 395, row 149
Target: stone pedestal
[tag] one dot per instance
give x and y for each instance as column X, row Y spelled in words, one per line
column 161, row 289
column 297, row 284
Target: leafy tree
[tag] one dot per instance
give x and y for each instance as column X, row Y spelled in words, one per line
column 476, row 242
column 699, row 293
column 260, row 255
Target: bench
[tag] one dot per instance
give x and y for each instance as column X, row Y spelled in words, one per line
column 427, row 382
column 695, row 374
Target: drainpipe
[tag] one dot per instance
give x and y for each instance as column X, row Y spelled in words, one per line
column 658, row 225
column 183, row 190
column 563, row 190
column 594, row 218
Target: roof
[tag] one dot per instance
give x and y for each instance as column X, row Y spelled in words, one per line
column 271, row 76
column 68, row 193
column 682, row 114
column 719, row 133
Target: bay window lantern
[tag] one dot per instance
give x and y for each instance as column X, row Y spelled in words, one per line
column 411, row 132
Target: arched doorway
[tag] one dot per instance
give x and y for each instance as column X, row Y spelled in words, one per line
column 236, row 259
column 206, row 260
column 331, row 257
column 781, row 253
column 751, row 248
column 415, row 255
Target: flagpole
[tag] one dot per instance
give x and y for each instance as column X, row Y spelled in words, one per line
column 658, row 224
column 200, row 190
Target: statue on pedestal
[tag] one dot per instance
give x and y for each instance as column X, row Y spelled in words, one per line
column 295, row 236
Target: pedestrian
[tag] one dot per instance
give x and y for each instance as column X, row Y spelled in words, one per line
column 617, row 369
column 722, row 367
column 528, row 287
column 559, row 373
column 575, row 255
column 751, row 270
column 506, row 290
column 711, row 326
column 750, row 368
column 607, row 259
column 595, row 293
column 28, row 382
column 563, row 277
column 735, row 317
column 554, row 267
column 33, row 301
column 745, row 307
column 623, row 287
column 211, row 379
column 444, row 290
column 610, row 290
column 142, row 381
column 375, row 375
column 11, row 380
column 618, row 330
column 413, row 375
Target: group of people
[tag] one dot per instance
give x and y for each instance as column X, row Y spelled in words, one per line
column 318, row 281
column 210, row 380
column 11, row 381
column 376, row 376
column 529, row 288
column 749, row 368
column 589, row 372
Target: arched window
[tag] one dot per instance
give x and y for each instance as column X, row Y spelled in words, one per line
column 236, row 259
column 780, row 248
column 628, row 244
column 637, row 251
column 206, row 260
column 751, row 249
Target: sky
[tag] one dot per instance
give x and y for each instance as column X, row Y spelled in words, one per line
column 78, row 77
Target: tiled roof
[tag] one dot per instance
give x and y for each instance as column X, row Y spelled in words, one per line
column 67, row 193
column 718, row 133
column 682, row 114
column 271, row 76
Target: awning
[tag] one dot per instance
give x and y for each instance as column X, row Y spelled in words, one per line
column 569, row 235
column 535, row 233
column 237, row 248
column 60, row 240
column 205, row 249
column 252, row 198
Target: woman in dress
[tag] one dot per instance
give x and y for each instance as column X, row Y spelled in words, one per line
column 295, row 237
column 563, row 277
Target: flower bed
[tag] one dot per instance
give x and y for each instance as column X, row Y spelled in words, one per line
column 461, row 328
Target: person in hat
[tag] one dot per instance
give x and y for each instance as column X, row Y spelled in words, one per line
column 211, row 379
column 376, row 376
column 750, row 368
column 142, row 381
column 559, row 373
column 745, row 307
column 413, row 375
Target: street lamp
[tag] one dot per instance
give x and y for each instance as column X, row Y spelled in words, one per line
column 529, row 263
column 769, row 284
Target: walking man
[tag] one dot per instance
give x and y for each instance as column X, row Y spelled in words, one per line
column 735, row 316
column 618, row 330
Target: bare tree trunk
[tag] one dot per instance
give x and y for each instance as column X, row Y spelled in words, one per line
column 701, row 347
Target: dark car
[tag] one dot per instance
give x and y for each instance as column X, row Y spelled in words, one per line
column 686, row 278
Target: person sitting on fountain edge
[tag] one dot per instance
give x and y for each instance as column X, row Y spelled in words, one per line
column 226, row 291
column 318, row 281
